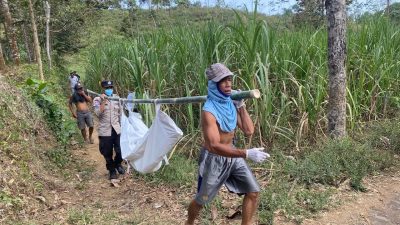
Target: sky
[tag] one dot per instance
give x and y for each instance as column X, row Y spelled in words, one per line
column 271, row 7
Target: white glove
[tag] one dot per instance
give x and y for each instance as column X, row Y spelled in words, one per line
column 256, row 154
column 238, row 103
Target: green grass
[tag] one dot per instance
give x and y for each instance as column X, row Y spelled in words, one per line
column 59, row 157
column 181, row 172
column 80, row 217
column 9, row 200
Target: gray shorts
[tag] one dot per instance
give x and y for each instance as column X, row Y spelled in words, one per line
column 84, row 118
column 216, row 170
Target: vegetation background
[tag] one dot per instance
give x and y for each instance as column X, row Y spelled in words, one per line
column 162, row 52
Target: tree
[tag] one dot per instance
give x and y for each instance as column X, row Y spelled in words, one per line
column 47, row 11
column 2, row 62
column 10, row 31
column 36, row 40
column 336, row 15
column 28, row 44
column 312, row 12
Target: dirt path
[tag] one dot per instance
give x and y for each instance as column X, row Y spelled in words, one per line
column 131, row 200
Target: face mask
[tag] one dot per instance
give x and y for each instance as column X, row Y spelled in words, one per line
column 108, row 92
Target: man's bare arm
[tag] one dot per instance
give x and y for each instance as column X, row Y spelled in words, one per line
column 244, row 121
column 213, row 141
column 87, row 98
column 71, row 107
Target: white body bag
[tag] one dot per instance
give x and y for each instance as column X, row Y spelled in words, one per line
column 144, row 148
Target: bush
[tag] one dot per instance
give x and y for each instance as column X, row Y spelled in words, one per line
column 384, row 135
column 59, row 157
column 54, row 114
column 335, row 161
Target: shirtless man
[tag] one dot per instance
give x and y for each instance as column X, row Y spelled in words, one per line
column 82, row 114
column 220, row 162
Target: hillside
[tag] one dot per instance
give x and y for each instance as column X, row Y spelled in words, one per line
column 26, row 178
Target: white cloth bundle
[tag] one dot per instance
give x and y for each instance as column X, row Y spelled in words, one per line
column 144, row 148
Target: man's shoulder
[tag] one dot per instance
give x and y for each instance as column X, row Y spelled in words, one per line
column 207, row 114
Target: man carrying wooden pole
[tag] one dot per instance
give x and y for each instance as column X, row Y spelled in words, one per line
column 220, row 161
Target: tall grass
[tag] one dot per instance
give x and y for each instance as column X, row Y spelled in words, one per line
column 288, row 66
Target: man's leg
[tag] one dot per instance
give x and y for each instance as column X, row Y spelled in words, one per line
column 83, row 132
column 193, row 212
column 106, row 149
column 82, row 124
column 89, row 123
column 249, row 207
column 90, row 135
column 117, row 149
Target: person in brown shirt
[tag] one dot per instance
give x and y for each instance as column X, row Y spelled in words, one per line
column 109, row 129
column 82, row 113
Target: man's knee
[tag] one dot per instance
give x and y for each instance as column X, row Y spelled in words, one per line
column 252, row 195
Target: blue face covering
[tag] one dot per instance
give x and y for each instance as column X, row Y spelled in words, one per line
column 221, row 106
column 108, row 92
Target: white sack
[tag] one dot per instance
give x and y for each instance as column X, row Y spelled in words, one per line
column 133, row 135
column 145, row 148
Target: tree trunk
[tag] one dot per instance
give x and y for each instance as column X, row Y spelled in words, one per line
column 388, row 7
column 10, row 30
column 336, row 14
column 2, row 62
column 28, row 45
column 36, row 40
column 47, row 10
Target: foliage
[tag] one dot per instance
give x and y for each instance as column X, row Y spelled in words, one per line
column 63, row 129
column 7, row 199
column 311, row 12
column 384, row 134
column 80, row 217
column 59, row 157
column 67, row 26
column 337, row 161
column 138, row 21
column 179, row 173
column 302, row 185
column 394, row 10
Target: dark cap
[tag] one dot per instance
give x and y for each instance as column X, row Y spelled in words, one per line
column 107, row 83
column 78, row 86
column 217, row 72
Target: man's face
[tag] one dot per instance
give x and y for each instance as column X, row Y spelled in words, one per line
column 225, row 85
column 80, row 90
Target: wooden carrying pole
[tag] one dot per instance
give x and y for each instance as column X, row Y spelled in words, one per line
column 194, row 99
